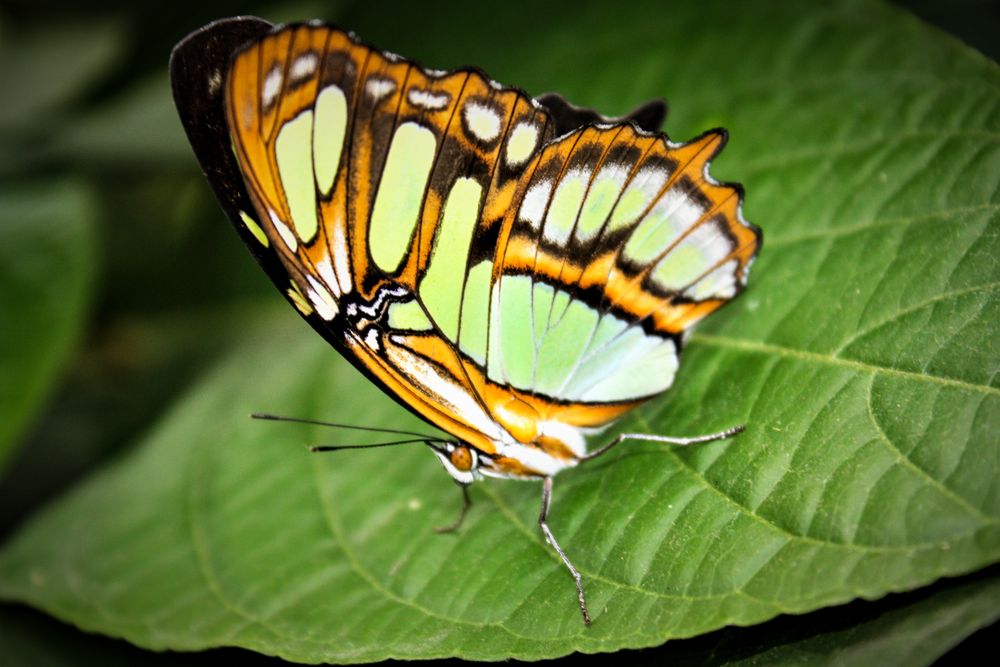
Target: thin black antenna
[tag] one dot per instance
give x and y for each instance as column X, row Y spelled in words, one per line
column 315, row 422
column 333, row 448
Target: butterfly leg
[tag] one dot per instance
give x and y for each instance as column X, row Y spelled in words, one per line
column 466, row 504
column 550, row 538
column 721, row 435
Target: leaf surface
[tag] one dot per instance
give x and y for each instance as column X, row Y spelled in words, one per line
column 47, row 261
column 910, row 629
column 48, row 67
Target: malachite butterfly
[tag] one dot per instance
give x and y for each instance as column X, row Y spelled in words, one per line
column 517, row 272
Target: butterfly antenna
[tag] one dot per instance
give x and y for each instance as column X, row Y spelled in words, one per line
column 315, row 422
column 334, row 448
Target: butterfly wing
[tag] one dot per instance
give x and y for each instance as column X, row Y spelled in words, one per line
column 617, row 242
column 198, row 70
column 425, row 223
column 372, row 184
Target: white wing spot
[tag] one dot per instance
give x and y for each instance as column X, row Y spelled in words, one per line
column 321, row 299
column 272, row 86
column 535, row 200
column 371, row 339
column 452, row 395
column 214, row 82
column 570, row 435
column 428, row 99
column 482, row 121
column 304, row 66
column 284, row 232
column 325, row 270
column 532, row 457
column 341, row 261
column 377, row 88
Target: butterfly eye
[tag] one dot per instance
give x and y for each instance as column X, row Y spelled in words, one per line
column 463, row 458
column 461, row 461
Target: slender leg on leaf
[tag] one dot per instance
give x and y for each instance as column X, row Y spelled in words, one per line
column 550, row 538
column 466, row 503
column 721, row 435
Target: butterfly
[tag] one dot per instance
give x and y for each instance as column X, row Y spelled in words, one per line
column 518, row 272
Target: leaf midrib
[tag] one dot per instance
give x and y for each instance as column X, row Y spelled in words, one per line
column 744, row 345
column 876, row 223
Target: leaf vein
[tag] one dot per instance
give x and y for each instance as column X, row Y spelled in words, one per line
column 860, row 548
column 778, row 160
column 861, row 333
column 877, row 223
column 817, row 357
column 911, row 465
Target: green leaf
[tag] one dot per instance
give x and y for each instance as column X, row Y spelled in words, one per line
column 907, row 629
column 47, row 258
column 27, row 637
column 48, row 66
column 863, row 359
column 139, row 127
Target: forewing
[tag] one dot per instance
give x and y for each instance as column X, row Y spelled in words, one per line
column 376, row 185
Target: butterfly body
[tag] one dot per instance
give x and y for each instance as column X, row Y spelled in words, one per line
column 518, row 272
column 509, row 435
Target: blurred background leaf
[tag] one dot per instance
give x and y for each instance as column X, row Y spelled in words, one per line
column 50, row 66
column 48, row 256
column 176, row 290
column 139, row 128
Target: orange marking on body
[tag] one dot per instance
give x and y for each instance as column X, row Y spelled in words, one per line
column 554, row 447
column 517, row 416
column 461, row 458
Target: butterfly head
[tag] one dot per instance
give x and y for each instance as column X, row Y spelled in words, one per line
column 461, row 461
